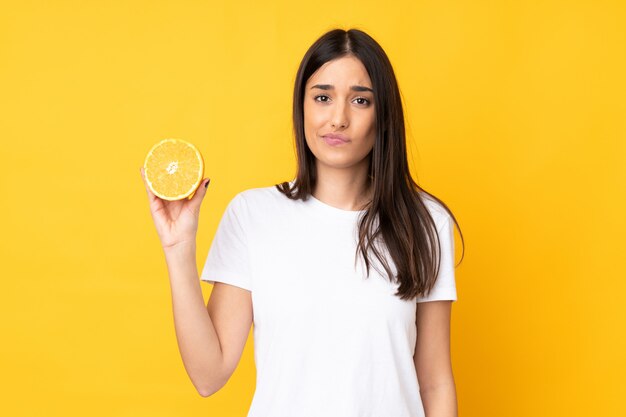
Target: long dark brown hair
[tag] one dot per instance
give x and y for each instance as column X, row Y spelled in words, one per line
column 404, row 222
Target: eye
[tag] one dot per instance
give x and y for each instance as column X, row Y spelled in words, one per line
column 320, row 97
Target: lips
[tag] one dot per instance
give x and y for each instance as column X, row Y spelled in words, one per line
column 335, row 137
column 334, row 141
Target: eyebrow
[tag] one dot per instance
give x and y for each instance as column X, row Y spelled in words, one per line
column 330, row 87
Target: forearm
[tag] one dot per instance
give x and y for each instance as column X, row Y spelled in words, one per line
column 197, row 338
column 440, row 401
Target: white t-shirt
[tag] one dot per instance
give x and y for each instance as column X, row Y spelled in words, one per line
column 327, row 341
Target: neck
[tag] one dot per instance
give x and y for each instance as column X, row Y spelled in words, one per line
column 344, row 188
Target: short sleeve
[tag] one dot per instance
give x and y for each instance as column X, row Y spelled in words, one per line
column 228, row 260
column 445, row 286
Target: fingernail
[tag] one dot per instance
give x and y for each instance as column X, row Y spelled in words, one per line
column 207, row 184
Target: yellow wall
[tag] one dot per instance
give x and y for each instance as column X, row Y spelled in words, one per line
column 516, row 117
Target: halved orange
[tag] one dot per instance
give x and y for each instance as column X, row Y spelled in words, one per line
column 173, row 169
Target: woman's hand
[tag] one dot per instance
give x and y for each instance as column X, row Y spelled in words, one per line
column 176, row 221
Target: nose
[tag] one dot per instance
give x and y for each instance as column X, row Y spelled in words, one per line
column 339, row 117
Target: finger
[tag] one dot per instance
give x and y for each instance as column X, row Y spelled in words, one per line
column 198, row 196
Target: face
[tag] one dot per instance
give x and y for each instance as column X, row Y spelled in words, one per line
column 339, row 102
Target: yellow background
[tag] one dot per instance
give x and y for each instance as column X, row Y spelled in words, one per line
column 516, row 116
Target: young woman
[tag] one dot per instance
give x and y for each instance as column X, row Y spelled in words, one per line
column 346, row 271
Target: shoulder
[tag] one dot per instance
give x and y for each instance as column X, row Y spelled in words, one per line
column 259, row 195
column 259, row 199
column 437, row 211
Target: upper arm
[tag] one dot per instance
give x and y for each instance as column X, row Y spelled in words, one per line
column 230, row 309
column 432, row 348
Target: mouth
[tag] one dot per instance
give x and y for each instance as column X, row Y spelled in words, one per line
column 335, row 139
column 336, row 136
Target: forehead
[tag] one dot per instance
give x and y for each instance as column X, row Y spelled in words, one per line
column 346, row 70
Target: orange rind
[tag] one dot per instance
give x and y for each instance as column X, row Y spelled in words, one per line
column 173, row 169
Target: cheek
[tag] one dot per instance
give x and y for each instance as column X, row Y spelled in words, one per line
column 307, row 115
column 369, row 125
column 373, row 121
column 309, row 123
column 313, row 122
column 313, row 114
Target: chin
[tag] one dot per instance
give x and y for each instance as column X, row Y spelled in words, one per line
column 337, row 162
